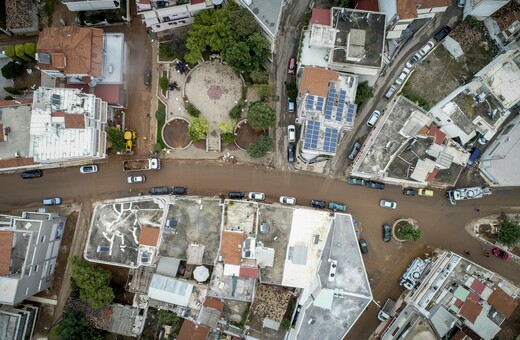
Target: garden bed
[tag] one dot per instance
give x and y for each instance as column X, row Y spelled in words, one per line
column 246, row 136
column 175, row 134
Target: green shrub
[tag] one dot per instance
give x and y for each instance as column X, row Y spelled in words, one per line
column 163, row 83
column 12, row 90
column 116, row 138
column 227, row 126
column 236, row 111
column 8, row 98
column 30, row 49
column 11, row 70
column 192, row 110
column 260, row 76
column 227, row 137
column 364, row 92
column 20, row 53
column 9, row 52
column 508, row 231
column 157, row 147
column 198, row 129
column 292, row 90
column 260, row 147
column 405, row 231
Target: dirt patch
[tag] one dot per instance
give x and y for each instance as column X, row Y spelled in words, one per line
column 246, row 135
column 200, row 144
column 511, row 326
column 175, row 133
column 45, row 319
column 27, row 81
column 488, row 233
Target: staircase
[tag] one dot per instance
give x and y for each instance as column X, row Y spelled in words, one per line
column 213, row 138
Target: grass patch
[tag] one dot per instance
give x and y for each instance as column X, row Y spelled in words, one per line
column 164, row 90
column 416, row 98
column 161, row 118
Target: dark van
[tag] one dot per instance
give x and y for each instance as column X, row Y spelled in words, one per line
column 443, row 33
column 236, row 195
column 31, row 174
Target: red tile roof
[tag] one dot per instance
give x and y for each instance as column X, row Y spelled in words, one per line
column 470, row 310
column 320, row 16
column 431, row 175
column 316, row 80
column 108, row 92
column 74, row 121
column 194, row 2
column 73, row 49
column 191, row 331
column 477, row 286
column 474, row 297
column 458, row 303
column 15, row 102
column 149, row 236
column 437, row 134
column 214, row 303
column 248, row 272
column 502, row 302
column 232, row 246
column 367, row 5
column 6, row 246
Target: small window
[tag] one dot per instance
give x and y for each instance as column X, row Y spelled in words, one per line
column 40, row 285
column 42, row 239
column 36, row 268
column 26, row 291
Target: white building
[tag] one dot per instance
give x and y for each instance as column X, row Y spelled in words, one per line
column 30, row 245
column 18, row 322
column 481, row 9
column 90, row 5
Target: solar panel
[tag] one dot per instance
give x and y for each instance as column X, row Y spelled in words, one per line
column 311, row 134
column 319, row 106
column 328, row 112
column 310, row 102
column 332, row 92
column 350, row 112
column 339, row 112
column 331, row 140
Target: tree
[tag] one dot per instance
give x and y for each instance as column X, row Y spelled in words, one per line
column 9, row 52
column 30, row 49
column 198, row 128
column 74, row 325
column 192, row 110
column 406, row 231
column 261, row 116
column 364, row 91
column 292, row 89
column 237, row 56
column 227, row 126
column 508, row 231
column 93, row 282
column 116, row 138
column 20, row 53
column 11, row 70
column 259, row 76
column 244, row 24
column 259, row 49
column 260, row 147
column 236, row 111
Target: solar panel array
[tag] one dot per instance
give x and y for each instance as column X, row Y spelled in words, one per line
column 311, row 135
column 330, row 102
column 331, row 139
column 310, row 102
column 341, row 105
column 319, row 106
column 350, row 112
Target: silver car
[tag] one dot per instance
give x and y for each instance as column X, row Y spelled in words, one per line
column 257, row 196
column 287, row 200
column 136, row 179
column 387, row 204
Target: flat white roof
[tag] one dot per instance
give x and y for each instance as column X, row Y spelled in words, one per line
column 166, row 289
column 113, row 58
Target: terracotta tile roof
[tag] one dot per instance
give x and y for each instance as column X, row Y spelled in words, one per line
column 232, row 246
column 506, row 15
column 16, row 162
column 23, row 101
column 406, row 9
column 477, row 286
column 214, row 303
column 108, row 92
column 74, row 121
column 474, row 297
column 366, row 5
column 470, row 310
column 460, row 335
column 458, row 303
column 18, row 14
column 316, row 81
column 6, row 245
column 433, row 3
column 502, row 302
column 320, row 16
column 431, row 175
column 78, row 50
column 248, row 272
column 149, row 236
column 194, row 2
column 437, row 134
column 191, row 331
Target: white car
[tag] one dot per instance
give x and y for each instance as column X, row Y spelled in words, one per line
column 136, row 179
column 402, row 77
column 373, row 118
column 52, row 201
column 287, row 200
column 88, row 169
column 387, row 204
column 291, row 133
column 257, row 196
column 416, row 57
column 426, row 48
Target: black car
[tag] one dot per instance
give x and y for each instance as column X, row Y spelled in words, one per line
column 290, row 153
column 443, row 33
column 387, row 233
column 363, row 246
column 147, row 77
column 237, row 195
column 160, row 191
column 31, row 174
column 409, row 191
column 375, row 185
column 179, row 191
column 318, row 204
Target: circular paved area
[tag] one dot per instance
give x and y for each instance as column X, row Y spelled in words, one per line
column 175, row 133
column 214, row 89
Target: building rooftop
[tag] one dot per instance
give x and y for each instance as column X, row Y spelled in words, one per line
column 231, row 248
column 6, row 245
column 502, row 302
column 320, row 16
column 15, row 147
column 266, row 12
column 19, row 14
column 192, row 331
column 72, row 50
column 407, row 9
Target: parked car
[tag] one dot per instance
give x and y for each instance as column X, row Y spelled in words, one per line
column 425, row 192
column 291, row 68
column 160, row 191
column 426, row 48
column 318, row 204
column 291, row 133
column 237, row 195
column 355, row 149
column 136, row 179
column 147, row 77
column 337, row 206
column 402, row 77
column 290, row 153
column 88, row 169
column 355, row 181
column 363, row 246
column 375, row 185
column 461, row 3
column 287, row 200
column 409, row 191
column 387, row 204
column 257, row 196
column 443, row 33
column 179, row 191
column 31, row 174
column 373, row 118
column 387, row 233
column 290, row 105
column 416, row 57
column 390, row 92
column 52, row 201
column 501, row 254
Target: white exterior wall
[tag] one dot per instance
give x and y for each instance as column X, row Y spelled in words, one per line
column 89, row 5
column 484, row 8
column 389, row 8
